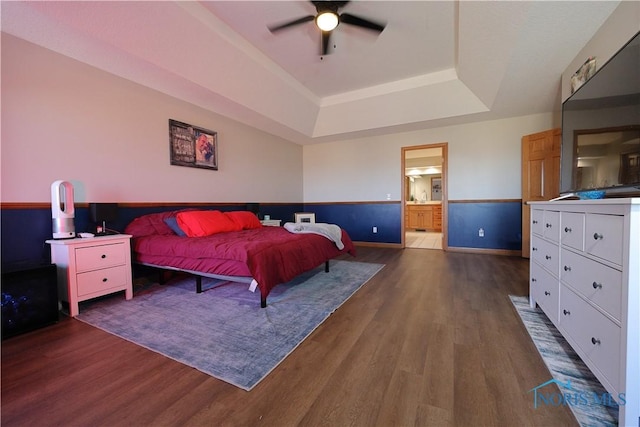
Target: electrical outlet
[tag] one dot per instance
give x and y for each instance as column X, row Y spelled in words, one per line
column 481, row 232
column 375, row 229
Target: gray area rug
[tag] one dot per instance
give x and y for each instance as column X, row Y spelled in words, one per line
column 580, row 389
column 223, row 331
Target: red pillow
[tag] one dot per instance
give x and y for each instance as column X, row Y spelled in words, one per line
column 205, row 223
column 245, row 219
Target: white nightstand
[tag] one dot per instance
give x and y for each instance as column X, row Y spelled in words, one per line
column 271, row 222
column 92, row 267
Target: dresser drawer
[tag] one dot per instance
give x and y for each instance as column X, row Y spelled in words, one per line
column 103, row 256
column 552, row 225
column 596, row 282
column 597, row 337
column 537, row 225
column 603, row 236
column 545, row 291
column 572, row 230
column 546, row 254
column 98, row 281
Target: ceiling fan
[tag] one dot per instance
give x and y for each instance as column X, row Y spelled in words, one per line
column 327, row 19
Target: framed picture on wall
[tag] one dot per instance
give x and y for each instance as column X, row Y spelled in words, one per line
column 192, row 146
column 305, row 217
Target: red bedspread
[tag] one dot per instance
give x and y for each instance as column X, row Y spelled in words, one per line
column 270, row 255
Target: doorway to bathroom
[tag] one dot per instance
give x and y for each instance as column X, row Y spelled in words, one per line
column 424, row 196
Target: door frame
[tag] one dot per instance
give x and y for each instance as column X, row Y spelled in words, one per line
column 445, row 198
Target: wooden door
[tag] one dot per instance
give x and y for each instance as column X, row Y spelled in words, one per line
column 427, row 218
column 540, row 174
column 414, row 217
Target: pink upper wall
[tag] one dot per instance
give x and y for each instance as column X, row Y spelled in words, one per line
column 62, row 119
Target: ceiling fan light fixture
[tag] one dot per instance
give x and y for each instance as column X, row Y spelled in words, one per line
column 327, row 21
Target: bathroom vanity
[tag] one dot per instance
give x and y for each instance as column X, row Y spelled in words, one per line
column 424, row 216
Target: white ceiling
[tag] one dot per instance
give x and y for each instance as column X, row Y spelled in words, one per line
column 435, row 63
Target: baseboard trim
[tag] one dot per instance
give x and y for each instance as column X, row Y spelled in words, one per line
column 379, row 245
column 485, row 251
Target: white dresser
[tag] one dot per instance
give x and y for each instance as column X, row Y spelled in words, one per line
column 585, row 276
column 92, row 267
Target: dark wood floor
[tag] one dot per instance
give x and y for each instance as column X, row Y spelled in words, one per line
column 431, row 340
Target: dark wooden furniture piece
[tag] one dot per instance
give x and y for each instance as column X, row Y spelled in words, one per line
column 29, row 297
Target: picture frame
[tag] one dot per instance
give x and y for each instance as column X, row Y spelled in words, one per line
column 305, row 217
column 192, row 146
column 584, row 73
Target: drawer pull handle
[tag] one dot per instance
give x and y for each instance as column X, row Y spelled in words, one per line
column 547, row 293
column 567, row 268
column 597, row 285
column 547, row 256
column 566, row 312
column 597, row 236
column 567, row 230
column 533, row 279
column 534, row 248
column 595, row 341
column 103, row 256
column 547, row 225
column 535, row 222
column 104, row 280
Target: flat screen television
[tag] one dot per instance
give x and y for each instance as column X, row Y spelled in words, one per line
column 601, row 128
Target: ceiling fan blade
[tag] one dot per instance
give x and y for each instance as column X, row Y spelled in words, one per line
column 298, row 21
column 326, row 36
column 361, row 22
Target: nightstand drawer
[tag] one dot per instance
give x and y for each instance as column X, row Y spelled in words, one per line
column 103, row 256
column 100, row 280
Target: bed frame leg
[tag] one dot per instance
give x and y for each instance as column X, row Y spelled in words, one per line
column 199, row 284
column 326, row 266
column 263, row 302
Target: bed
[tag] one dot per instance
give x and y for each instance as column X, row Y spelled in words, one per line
column 247, row 252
